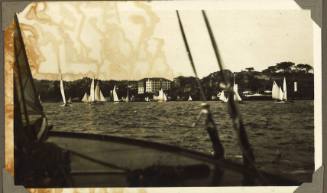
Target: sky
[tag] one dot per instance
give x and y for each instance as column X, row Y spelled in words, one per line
column 133, row 40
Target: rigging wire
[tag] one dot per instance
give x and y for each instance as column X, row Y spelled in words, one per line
column 203, row 97
column 238, row 125
column 210, row 124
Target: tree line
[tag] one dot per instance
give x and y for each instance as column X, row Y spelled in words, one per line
column 182, row 87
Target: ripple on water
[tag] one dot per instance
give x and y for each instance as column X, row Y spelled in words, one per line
column 270, row 126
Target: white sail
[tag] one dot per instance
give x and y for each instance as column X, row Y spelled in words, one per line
column 126, row 99
column 102, row 99
column 69, row 101
column 189, row 98
column 62, row 91
column 164, row 97
column 237, row 97
column 85, row 98
column 275, row 91
column 284, row 90
column 280, row 94
column 92, row 94
column 97, row 92
column 115, row 96
column 295, row 86
column 147, row 99
column 222, row 97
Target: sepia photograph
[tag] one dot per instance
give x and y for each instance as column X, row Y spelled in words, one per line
column 137, row 94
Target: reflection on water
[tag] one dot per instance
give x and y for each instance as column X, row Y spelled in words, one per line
column 281, row 134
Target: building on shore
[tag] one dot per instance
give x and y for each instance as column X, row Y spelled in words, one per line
column 153, row 85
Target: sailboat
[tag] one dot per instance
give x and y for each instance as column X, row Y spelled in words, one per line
column 85, row 98
column 182, row 166
column 237, row 97
column 126, row 99
column 62, row 91
column 115, row 96
column 189, row 98
column 69, row 101
column 96, row 93
column 278, row 93
column 275, row 91
column 221, row 96
column 162, row 97
column 146, row 99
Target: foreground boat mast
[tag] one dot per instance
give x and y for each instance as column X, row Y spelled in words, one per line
column 210, row 124
column 248, row 156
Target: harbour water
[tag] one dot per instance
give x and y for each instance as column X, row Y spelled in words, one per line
column 282, row 135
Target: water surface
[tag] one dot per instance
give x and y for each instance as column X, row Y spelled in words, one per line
column 281, row 134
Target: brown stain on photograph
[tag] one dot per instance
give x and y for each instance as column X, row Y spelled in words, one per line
column 79, row 52
column 118, row 55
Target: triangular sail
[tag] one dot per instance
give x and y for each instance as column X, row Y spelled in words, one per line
column 85, row 98
column 102, row 99
column 284, row 90
column 62, row 90
column 27, row 103
column 189, row 98
column 237, row 97
column 92, row 94
column 275, row 91
column 127, row 97
column 115, row 96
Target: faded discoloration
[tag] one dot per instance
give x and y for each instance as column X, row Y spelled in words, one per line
column 9, row 139
column 34, row 59
column 32, row 38
column 117, row 54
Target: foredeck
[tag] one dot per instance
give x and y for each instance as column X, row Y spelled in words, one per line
column 120, row 162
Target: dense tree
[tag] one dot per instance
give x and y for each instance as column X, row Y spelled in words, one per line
column 183, row 87
column 285, row 67
column 304, row 68
column 250, row 69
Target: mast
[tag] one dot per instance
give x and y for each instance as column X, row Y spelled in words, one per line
column 248, row 156
column 62, row 90
column 210, row 124
column 190, row 57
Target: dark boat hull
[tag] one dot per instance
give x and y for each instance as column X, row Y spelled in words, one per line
column 108, row 161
